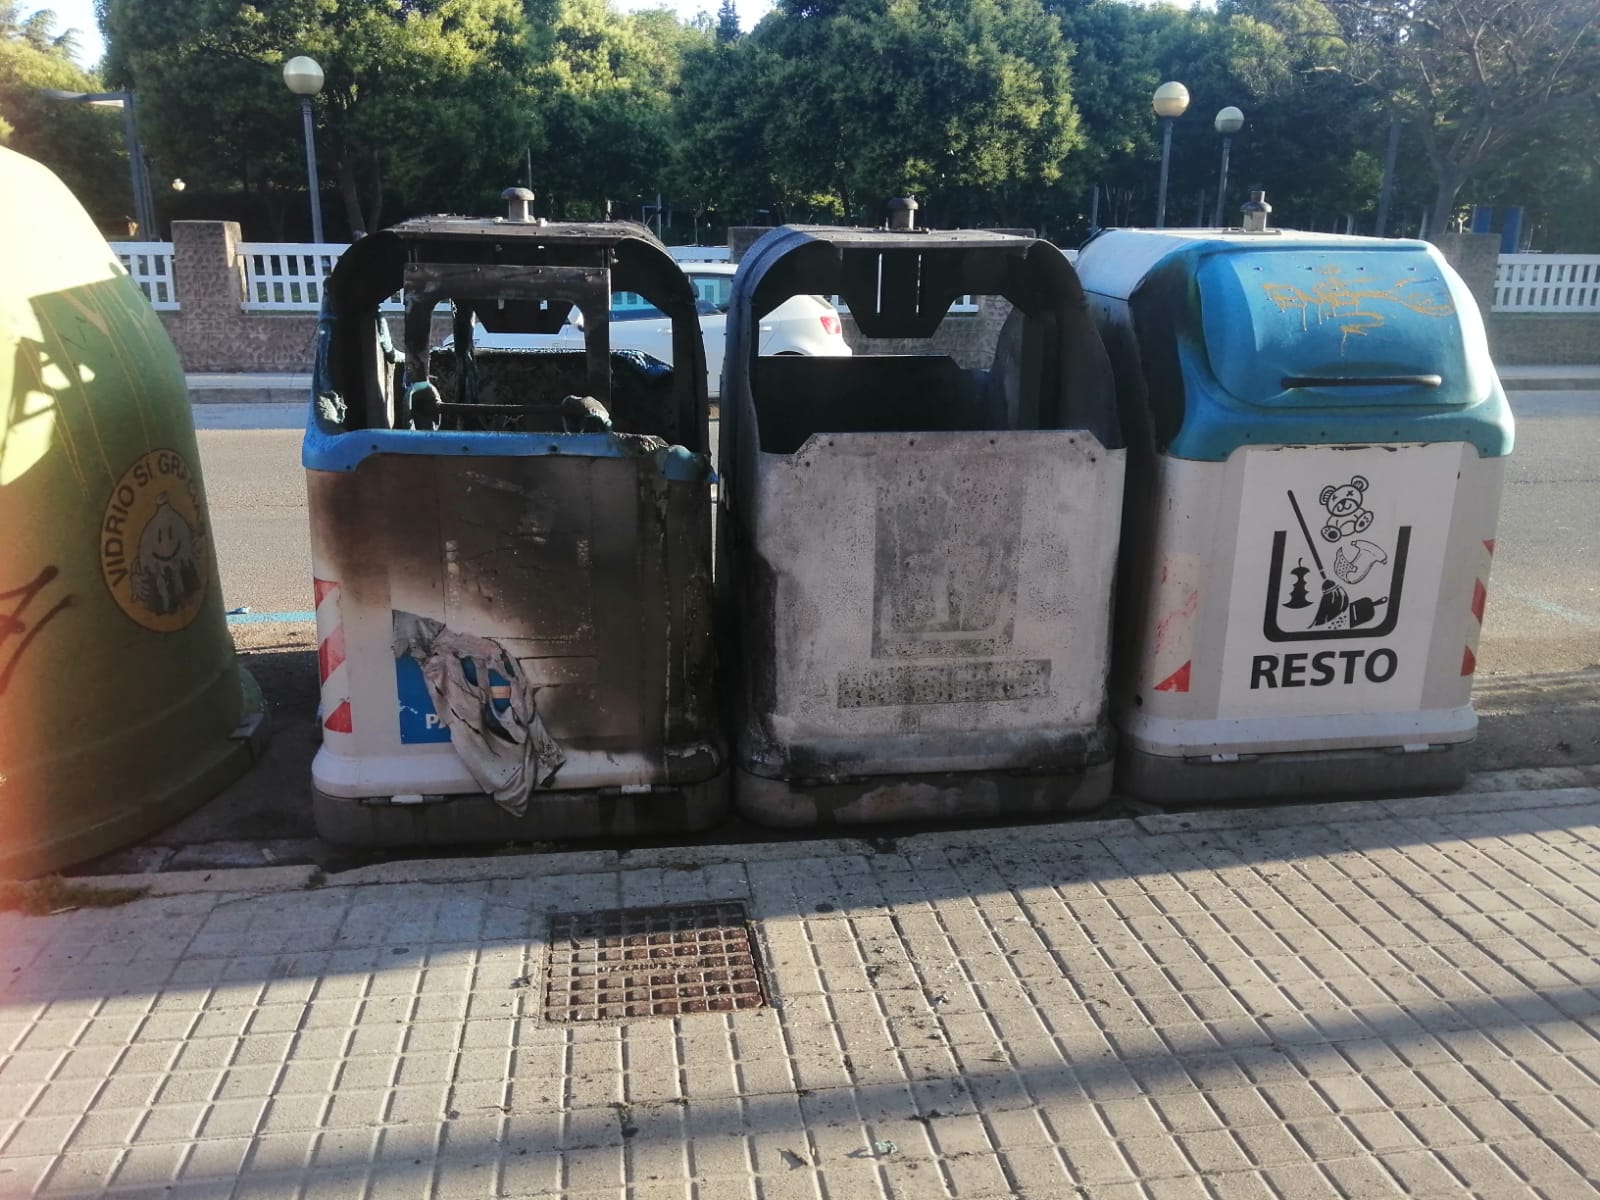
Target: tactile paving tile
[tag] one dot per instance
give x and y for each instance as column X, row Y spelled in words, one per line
column 650, row 962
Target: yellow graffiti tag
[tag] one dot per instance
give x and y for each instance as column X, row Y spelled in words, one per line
column 1356, row 309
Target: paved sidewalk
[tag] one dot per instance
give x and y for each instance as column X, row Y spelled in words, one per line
column 1354, row 1000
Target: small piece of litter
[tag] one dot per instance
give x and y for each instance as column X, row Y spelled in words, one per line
column 884, row 1147
column 240, row 611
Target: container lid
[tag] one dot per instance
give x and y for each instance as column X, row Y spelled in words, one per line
column 1292, row 338
column 1279, row 326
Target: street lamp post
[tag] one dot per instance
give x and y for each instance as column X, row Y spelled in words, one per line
column 1386, row 189
column 1170, row 100
column 303, row 77
column 144, row 208
column 1229, row 121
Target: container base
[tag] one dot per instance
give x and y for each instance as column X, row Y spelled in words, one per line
column 551, row 816
column 951, row 796
column 1298, row 775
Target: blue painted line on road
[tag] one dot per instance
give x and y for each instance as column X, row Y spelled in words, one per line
column 272, row 618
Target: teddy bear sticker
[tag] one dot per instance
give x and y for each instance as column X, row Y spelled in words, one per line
column 1348, row 514
column 1343, row 608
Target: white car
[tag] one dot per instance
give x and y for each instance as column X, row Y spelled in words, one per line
column 800, row 325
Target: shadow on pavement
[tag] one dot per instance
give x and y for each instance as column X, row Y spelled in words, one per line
column 268, row 808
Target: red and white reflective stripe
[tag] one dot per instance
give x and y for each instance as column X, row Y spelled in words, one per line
column 1480, row 596
column 1178, row 681
column 335, row 676
column 1177, row 605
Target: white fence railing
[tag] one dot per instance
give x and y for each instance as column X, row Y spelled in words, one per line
column 150, row 265
column 1547, row 283
column 286, row 276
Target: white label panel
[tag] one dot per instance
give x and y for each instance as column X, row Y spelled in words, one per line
column 1336, row 579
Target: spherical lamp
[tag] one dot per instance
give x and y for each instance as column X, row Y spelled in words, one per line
column 1171, row 99
column 304, row 77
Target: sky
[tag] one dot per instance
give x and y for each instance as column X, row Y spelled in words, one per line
column 79, row 15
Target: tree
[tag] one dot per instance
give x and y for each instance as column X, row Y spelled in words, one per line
column 1555, row 177
column 1476, row 78
column 602, row 104
column 422, row 96
column 721, row 159
column 927, row 97
column 1255, row 54
column 727, row 22
column 83, row 145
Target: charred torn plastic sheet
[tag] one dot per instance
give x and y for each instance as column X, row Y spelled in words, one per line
column 484, row 699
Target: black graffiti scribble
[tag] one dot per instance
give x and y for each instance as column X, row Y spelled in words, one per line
column 12, row 626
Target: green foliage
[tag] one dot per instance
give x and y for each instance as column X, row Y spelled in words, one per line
column 1476, row 79
column 852, row 102
column 719, row 159
column 602, row 104
column 1256, row 56
column 81, row 144
column 416, row 96
column 1555, row 176
column 992, row 112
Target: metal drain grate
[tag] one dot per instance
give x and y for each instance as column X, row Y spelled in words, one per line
column 650, row 962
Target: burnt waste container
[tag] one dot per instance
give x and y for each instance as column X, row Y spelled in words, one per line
column 511, row 547
column 1317, row 441
column 915, row 550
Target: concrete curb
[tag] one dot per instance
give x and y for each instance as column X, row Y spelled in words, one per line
column 1354, row 811
column 256, row 387
column 1549, row 385
column 1558, row 378
column 246, row 396
column 1563, row 787
column 227, row 879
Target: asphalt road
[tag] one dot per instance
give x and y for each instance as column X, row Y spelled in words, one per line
column 256, row 491
column 1544, row 595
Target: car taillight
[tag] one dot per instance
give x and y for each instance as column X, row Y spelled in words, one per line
column 830, row 325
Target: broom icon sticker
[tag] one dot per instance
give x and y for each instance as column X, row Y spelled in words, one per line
column 1335, row 608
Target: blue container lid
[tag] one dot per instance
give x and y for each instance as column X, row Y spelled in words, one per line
column 1300, row 339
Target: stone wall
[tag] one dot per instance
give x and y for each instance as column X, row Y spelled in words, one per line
column 210, row 328
column 1476, row 258
column 1519, row 339
column 742, row 237
column 1544, row 339
column 215, row 333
